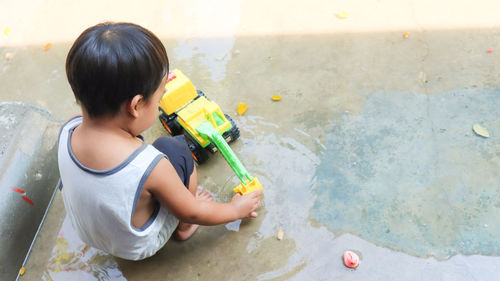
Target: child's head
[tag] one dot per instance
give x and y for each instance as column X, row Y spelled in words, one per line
column 110, row 63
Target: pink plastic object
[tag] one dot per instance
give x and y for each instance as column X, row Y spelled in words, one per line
column 351, row 259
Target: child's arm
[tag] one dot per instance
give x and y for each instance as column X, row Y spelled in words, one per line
column 167, row 187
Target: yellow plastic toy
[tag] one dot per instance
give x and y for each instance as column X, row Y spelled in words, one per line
column 185, row 110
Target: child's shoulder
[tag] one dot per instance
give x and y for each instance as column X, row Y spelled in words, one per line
column 102, row 151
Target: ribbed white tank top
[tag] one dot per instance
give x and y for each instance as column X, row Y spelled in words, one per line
column 100, row 204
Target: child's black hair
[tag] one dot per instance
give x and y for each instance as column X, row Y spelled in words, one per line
column 110, row 63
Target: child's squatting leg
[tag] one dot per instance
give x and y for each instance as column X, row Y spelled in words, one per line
column 185, row 230
column 180, row 157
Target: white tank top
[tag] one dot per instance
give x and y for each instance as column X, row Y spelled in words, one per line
column 100, row 204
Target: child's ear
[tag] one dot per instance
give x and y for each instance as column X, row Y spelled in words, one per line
column 134, row 105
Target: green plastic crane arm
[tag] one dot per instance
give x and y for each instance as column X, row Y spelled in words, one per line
column 208, row 132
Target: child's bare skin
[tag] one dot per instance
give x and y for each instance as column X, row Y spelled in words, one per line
column 185, row 230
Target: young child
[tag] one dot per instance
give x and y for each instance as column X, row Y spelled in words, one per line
column 123, row 196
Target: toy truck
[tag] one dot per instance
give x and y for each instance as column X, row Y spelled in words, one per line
column 185, row 110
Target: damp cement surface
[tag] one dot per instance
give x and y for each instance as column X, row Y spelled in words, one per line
column 408, row 173
column 373, row 134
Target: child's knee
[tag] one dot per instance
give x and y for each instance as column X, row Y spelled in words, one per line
column 176, row 144
column 162, row 143
column 177, row 151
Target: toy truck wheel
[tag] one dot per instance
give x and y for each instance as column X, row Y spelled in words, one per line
column 200, row 155
column 234, row 133
column 200, row 93
column 170, row 124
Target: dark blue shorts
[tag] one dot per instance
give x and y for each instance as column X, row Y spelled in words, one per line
column 178, row 154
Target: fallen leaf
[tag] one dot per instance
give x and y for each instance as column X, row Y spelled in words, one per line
column 280, row 234
column 342, row 15
column 422, row 77
column 6, row 31
column 22, row 270
column 406, row 34
column 9, row 56
column 47, row 46
column 480, row 130
column 17, row 190
column 28, row 200
column 276, row 97
column 242, row 107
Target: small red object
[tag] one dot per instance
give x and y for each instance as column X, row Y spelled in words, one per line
column 17, row 190
column 28, row 200
column 490, row 50
column 351, row 259
column 170, row 76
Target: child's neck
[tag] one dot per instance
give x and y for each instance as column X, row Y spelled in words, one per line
column 116, row 125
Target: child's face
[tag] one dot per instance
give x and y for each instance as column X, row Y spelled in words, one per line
column 151, row 108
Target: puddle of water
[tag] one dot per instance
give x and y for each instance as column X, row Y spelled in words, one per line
column 287, row 199
column 296, row 174
column 74, row 260
column 209, row 54
column 409, row 174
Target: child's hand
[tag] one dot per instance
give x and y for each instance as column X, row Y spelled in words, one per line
column 247, row 204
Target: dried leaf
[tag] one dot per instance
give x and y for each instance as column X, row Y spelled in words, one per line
column 342, row 15
column 422, row 77
column 480, row 130
column 47, row 46
column 280, row 234
column 9, row 56
column 242, row 107
column 17, row 190
column 28, row 200
column 276, row 97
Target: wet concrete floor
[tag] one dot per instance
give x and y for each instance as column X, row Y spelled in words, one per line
column 371, row 148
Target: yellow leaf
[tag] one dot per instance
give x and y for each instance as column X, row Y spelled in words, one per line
column 276, row 97
column 22, row 270
column 342, row 15
column 6, row 31
column 406, row 34
column 242, row 107
column 480, row 130
column 280, row 234
column 47, row 46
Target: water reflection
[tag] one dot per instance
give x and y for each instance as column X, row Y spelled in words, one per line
column 73, row 260
column 212, row 54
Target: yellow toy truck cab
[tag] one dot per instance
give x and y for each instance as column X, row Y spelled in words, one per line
column 183, row 109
